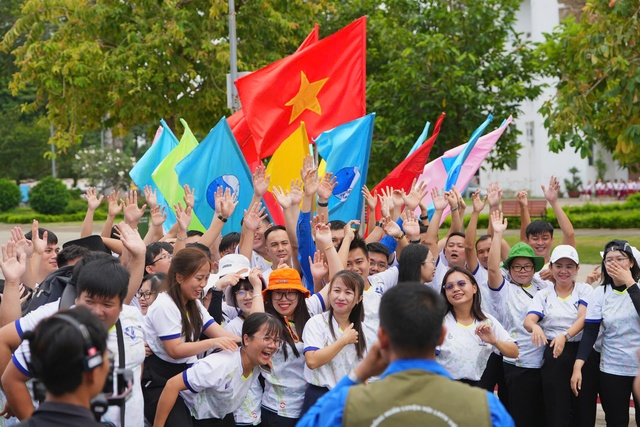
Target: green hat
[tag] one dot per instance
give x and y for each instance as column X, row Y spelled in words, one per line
column 521, row 249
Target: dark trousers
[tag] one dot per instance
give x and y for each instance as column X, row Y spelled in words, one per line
column 154, row 377
column 272, row 419
column 525, row 395
column 494, row 374
column 588, row 395
column 227, row 421
column 560, row 404
column 615, row 391
column 311, row 395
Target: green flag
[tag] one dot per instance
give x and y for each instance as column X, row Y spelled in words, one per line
column 166, row 177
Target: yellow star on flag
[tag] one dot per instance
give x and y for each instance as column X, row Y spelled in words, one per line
column 306, row 98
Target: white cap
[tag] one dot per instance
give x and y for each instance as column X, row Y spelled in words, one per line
column 228, row 264
column 565, row 251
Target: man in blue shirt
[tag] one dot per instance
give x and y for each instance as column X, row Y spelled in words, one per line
column 413, row 388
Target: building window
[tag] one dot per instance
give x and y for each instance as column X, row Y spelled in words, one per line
column 528, row 132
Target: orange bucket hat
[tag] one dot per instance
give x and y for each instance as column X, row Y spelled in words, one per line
column 285, row 278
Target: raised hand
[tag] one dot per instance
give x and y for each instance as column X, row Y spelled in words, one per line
column 410, row 224
column 323, row 236
column 132, row 213
column 150, row 196
column 228, row 203
column 295, row 192
column 131, row 240
column 594, row 275
column 371, row 199
column 386, row 202
column 521, row 198
column 183, row 216
column 253, row 217
column 39, row 244
column 391, row 228
column 93, row 201
column 13, row 265
column 158, row 216
column 416, row 194
column 309, row 175
column 282, row 198
column 327, row 184
column 478, row 202
column 260, row 181
column 398, row 198
column 438, row 199
column 319, row 268
column 551, row 193
column 452, row 198
column 348, row 229
column 189, row 196
column 494, row 195
column 115, row 204
column 498, row 222
column 23, row 245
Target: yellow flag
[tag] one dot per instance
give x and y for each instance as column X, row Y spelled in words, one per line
column 286, row 162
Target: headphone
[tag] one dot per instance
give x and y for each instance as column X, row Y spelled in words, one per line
column 91, row 358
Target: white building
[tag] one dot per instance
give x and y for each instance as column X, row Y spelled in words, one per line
column 536, row 164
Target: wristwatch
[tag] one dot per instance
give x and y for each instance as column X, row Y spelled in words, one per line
column 567, row 336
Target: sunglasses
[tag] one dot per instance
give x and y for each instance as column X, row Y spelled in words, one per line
column 449, row 286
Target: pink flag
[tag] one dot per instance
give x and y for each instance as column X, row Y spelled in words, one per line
column 435, row 172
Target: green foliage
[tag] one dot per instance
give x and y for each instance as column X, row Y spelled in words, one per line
column 596, row 63
column 49, row 196
column 105, row 168
column 10, row 195
column 575, row 182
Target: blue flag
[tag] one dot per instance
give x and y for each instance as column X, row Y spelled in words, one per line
column 163, row 143
column 346, row 150
column 422, row 138
column 217, row 162
column 453, row 169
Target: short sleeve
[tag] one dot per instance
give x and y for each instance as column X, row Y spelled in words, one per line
column 313, row 335
column 203, row 375
column 207, row 319
column 19, row 358
column 235, row 326
column 594, row 305
column 31, row 320
column 315, row 304
column 584, row 293
column 537, row 305
column 165, row 320
column 499, row 331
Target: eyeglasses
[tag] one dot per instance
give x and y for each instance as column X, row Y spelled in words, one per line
column 617, row 260
column 289, row 295
column 449, row 286
column 271, row 340
column 243, row 293
column 161, row 257
column 428, row 262
column 146, row 295
column 380, row 265
column 522, row 268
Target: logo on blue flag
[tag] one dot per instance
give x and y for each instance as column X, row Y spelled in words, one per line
column 225, row 181
column 346, row 179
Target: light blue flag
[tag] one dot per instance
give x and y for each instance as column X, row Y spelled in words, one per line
column 217, row 162
column 163, row 143
column 453, row 169
column 346, row 150
column 421, row 139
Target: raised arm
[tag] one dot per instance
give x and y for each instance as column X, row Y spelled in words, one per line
column 286, row 199
column 454, row 203
column 551, row 194
column 24, row 245
column 470, row 236
column 499, row 226
column 252, row 219
column 133, row 213
column 13, row 267
column 183, row 219
column 93, row 202
column 372, row 202
column 324, row 244
column 525, row 218
column 431, row 237
column 325, row 190
column 225, row 205
column 115, row 207
column 158, row 217
column 349, row 235
column 134, row 247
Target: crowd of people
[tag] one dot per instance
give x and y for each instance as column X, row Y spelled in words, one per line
column 616, row 189
column 317, row 321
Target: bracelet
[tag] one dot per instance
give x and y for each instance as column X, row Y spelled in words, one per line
column 424, row 217
column 399, row 238
column 353, row 377
column 327, row 248
column 414, row 241
column 181, row 239
column 323, row 205
column 256, row 296
column 223, row 219
column 455, row 209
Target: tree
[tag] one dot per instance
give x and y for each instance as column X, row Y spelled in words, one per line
column 462, row 57
column 597, row 66
column 105, row 64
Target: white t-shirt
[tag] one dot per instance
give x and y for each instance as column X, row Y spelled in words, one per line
column 131, row 320
column 482, row 278
column 249, row 412
column 382, row 282
column 619, row 328
column 371, row 304
column 442, row 266
column 164, row 322
column 512, row 302
column 558, row 314
column 285, row 385
column 317, row 335
column 463, row 354
column 216, row 386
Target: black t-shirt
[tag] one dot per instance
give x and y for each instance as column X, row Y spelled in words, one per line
column 53, row 414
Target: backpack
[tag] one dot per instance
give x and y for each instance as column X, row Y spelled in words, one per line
column 50, row 290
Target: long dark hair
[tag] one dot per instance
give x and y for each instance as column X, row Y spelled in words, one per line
column 411, row 259
column 254, row 322
column 354, row 282
column 186, row 263
column 476, row 309
column 300, row 318
column 624, row 247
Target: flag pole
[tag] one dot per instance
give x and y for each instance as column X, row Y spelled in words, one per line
column 233, row 56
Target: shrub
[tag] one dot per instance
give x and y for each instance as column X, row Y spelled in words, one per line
column 49, row 196
column 10, row 195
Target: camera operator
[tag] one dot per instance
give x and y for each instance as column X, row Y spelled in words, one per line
column 101, row 287
column 68, row 354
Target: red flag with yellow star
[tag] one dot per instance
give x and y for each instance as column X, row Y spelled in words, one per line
column 322, row 85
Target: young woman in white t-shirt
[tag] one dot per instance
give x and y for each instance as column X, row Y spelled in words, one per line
column 613, row 315
column 215, row 386
column 173, row 326
column 471, row 334
column 556, row 319
column 335, row 341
